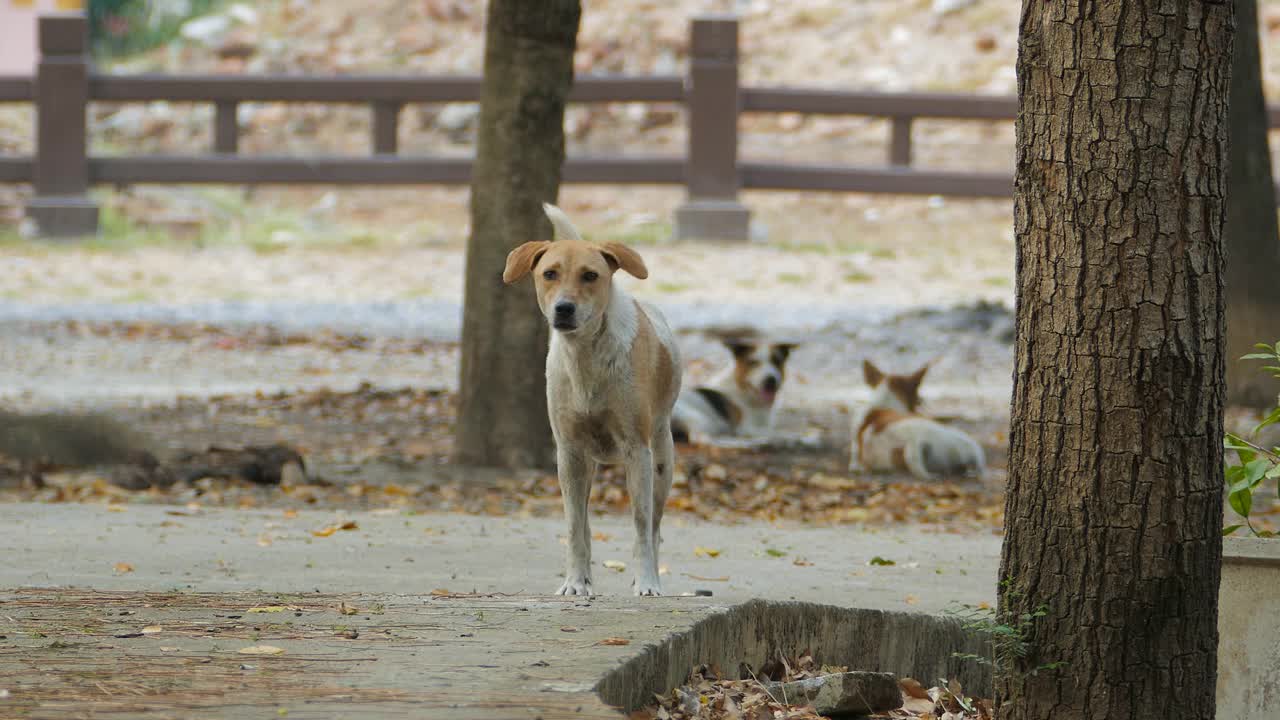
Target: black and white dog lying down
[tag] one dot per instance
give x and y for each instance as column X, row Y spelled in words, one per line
column 739, row 401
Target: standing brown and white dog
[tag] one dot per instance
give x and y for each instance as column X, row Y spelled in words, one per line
column 892, row 436
column 739, row 401
column 613, row 374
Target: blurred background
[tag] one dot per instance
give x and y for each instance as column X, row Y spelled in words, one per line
column 328, row 318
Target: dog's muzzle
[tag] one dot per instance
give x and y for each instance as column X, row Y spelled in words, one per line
column 563, row 320
column 769, row 387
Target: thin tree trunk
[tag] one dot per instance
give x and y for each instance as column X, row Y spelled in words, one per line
column 528, row 71
column 1114, row 504
column 1253, row 239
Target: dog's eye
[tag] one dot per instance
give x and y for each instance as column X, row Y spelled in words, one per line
column 549, row 274
column 590, row 276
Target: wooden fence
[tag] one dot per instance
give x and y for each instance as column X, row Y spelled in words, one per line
column 62, row 171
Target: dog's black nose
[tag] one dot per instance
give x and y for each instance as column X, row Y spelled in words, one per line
column 564, row 309
column 770, row 384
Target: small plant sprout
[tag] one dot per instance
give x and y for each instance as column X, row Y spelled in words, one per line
column 1255, row 463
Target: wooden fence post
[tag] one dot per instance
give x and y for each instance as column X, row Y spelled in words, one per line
column 711, row 210
column 61, row 206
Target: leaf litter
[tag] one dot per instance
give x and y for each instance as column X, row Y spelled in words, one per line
column 391, row 448
column 711, row 694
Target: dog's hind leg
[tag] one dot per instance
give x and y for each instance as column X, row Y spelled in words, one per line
column 575, row 473
column 914, row 459
column 640, row 485
column 664, row 461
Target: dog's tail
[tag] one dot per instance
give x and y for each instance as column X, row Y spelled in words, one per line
column 563, row 225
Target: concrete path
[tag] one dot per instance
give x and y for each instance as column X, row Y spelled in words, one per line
column 487, row 644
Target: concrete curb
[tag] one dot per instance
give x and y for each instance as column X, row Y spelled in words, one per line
column 906, row 644
column 1248, row 637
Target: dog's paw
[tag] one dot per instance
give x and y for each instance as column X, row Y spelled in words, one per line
column 647, row 588
column 576, row 586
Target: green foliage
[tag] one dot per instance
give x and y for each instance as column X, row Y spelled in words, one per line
column 123, row 27
column 1254, row 463
column 1007, row 636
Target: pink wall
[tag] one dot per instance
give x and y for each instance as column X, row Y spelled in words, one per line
column 18, row 31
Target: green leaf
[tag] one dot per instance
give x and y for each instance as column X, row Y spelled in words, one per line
column 1230, row 529
column 1271, row 419
column 1273, row 473
column 1254, row 470
column 1269, row 368
column 774, row 552
column 877, row 560
column 1258, row 356
column 1266, row 534
column 1241, row 501
column 1239, row 485
column 1264, row 346
column 1243, row 449
column 1233, row 474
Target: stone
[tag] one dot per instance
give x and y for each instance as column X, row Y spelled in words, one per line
column 208, row 30
column 851, row 693
column 946, row 7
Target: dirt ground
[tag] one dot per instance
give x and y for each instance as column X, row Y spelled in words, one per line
column 371, row 443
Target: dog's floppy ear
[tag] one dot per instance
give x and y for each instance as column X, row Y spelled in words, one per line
column 521, row 260
column 872, row 374
column 621, row 256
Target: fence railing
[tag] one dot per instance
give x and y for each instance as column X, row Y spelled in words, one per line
column 62, row 171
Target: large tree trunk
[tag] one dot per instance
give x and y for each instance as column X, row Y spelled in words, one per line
column 1114, row 505
column 1253, row 239
column 528, row 71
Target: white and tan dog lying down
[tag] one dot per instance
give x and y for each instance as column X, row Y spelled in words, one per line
column 892, row 436
column 613, row 374
column 738, row 401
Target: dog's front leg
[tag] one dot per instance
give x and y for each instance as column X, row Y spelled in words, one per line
column 645, row 555
column 575, row 473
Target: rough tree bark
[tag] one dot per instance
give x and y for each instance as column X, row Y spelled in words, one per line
column 528, row 71
column 1253, row 238
column 1114, row 504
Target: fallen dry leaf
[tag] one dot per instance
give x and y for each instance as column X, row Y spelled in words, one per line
column 113, row 507
column 601, row 536
column 912, row 600
column 700, row 551
column 614, row 641
column 272, row 608
column 567, row 628
column 707, row 579
column 617, row 565
column 913, row 688
column 152, row 629
column 168, row 648
column 327, row 531
column 124, row 567
column 261, row 650
column 345, row 609
column 440, row 592
column 801, row 562
column 290, row 514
